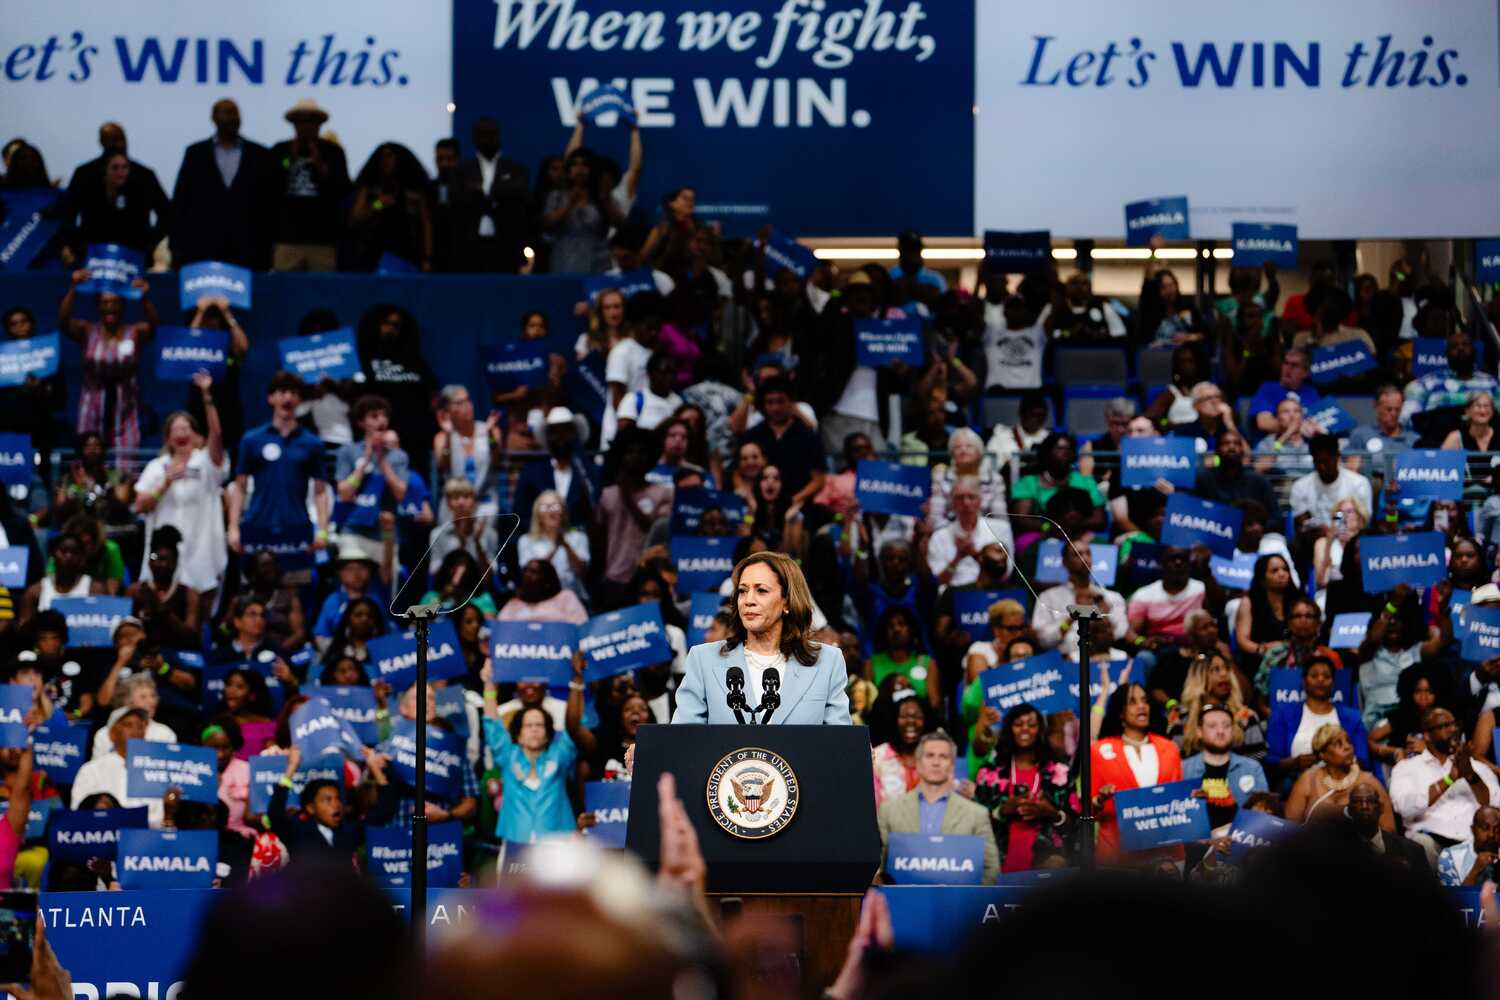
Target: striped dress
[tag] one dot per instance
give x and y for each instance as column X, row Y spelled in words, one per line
column 109, row 399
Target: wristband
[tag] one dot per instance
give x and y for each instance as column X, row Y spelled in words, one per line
column 1098, row 710
column 1390, row 608
column 322, row 535
column 164, row 669
column 1276, row 445
column 1140, row 641
column 491, row 696
column 576, row 685
column 382, row 713
column 1065, row 624
column 286, row 783
column 1171, row 703
column 1392, row 518
column 1447, row 781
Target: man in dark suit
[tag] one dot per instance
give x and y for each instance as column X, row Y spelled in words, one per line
column 1362, row 823
column 322, row 831
column 217, row 203
column 141, row 189
column 561, row 471
column 489, row 214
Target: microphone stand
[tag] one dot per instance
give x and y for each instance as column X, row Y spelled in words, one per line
column 420, row 616
column 1083, row 615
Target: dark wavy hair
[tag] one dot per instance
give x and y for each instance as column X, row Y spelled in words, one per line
column 796, row 626
column 1113, row 723
column 1005, row 748
column 515, row 723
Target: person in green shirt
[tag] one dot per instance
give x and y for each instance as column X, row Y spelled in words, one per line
column 898, row 638
column 1057, row 454
column 103, row 561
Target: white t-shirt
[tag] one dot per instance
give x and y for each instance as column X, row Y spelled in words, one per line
column 1307, row 727
column 625, row 366
column 1310, row 495
column 194, row 505
column 1014, row 357
column 647, row 409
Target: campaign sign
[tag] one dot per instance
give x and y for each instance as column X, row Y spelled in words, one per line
column 1457, row 604
column 26, row 230
column 394, row 656
column 883, row 342
column 1417, row 559
column 1049, row 564
column 939, row 919
column 1017, row 253
column 445, row 759
column 60, row 748
column 167, row 859
column 292, row 546
column 1097, row 671
column 91, row 620
column 267, row 769
column 1348, row 630
column 923, row 859
column 1145, row 562
column 1285, row 686
column 15, row 702
column 1466, row 899
column 1255, row 243
column 183, row 351
column 14, row 559
column 1330, row 416
column 892, row 488
column 322, row 355
column 213, row 278
column 786, row 254
column 152, row 768
column 689, row 506
column 514, row 365
column 390, row 263
column 453, row 708
column 1191, row 520
column 1252, row 829
column 1346, row 360
column 16, row 459
column 388, row 855
column 1040, row 680
column 1164, row 217
column 1161, row 815
column 1234, row 573
column 628, row 639
column 627, row 283
column 605, row 105
column 1487, row 260
column 1145, row 460
column 703, row 607
column 317, row 731
column 31, row 357
column 36, row 817
column 1426, row 474
column 1483, row 640
column 533, row 651
column 73, row 837
column 702, row 563
column 972, row 608
column 112, row 270
column 609, row 801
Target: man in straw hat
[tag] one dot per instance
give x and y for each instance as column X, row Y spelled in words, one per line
column 310, row 180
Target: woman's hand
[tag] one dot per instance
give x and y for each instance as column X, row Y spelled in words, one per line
column 81, row 275
column 579, row 664
column 1039, row 810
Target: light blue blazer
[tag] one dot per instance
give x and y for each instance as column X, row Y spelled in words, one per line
column 810, row 696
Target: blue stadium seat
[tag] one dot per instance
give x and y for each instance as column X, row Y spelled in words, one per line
column 1006, row 410
column 1153, row 366
column 1361, row 408
column 1083, row 409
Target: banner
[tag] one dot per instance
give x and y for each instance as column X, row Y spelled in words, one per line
column 1330, row 416
column 353, row 706
column 941, row 919
column 60, row 749
column 36, row 817
column 1341, row 361
column 605, row 106
column 167, row 859
column 153, row 768
column 1164, row 217
column 1255, row 243
column 182, row 351
column 14, row 559
column 322, row 355
column 1418, row 559
column 972, row 608
column 1457, row 602
column 892, row 488
column 393, row 656
column 511, row 366
column 1161, row 815
column 1017, row 253
column 1487, row 260
column 1145, row 562
column 292, row 546
column 317, row 732
column 27, row 229
column 627, row 283
column 30, row 357
column 609, row 801
column 1285, row 686
column 1425, row 474
column 533, row 651
column 15, row 702
column 881, row 343
column 1049, row 564
column 1039, row 680
column 453, row 708
column 91, row 620
column 629, row 639
column 1348, row 630
column 75, row 836
column 1137, row 675
column 1145, row 460
column 1252, row 829
column 267, row 769
column 702, row 563
column 1483, row 640
column 923, row 859
column 112, row 270
column 445, row 759
column 701, row 612
column 688, row 507
column 1191, row 520
column 786, row 254
column 16, row 459
column 1235, row 573
column 390, row 263
column 388, row 855
column 212, row 278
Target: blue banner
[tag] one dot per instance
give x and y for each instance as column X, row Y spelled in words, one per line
column 60, row 749
column 1137, row 675
column 183, row 351
column 605, row 106
column 511, row 366
column 627, row 283
column 1483, row 640
column 1429, row 354
column 167, row 859
column 972, row 608
column 31, row 357
column 1285, row 686
column 388, row 855
column 267, row 769
column 941, row 919
column 628, row 639
column 112, row 270
column 701, row 612
column 393, row 657
column 322, row 355
column 1049, row 564
column 587, row 392
column 1145, row 562
column 1164, row 217
column 1418, row 559
column 533, row 651
column 1145, row 460
column 317, row 732
column 91, row 620
column 786, row 254
column 410, row 506
column 27, row 230
column 1191, row 520
column 923, row 859
column 702, row 563
column 14, row 559
column 1041, row 680
column 1161, row 815
column 452, row 708
column 36, row 817
column 1341, row 361
column 1456, row 605
column 1330, row 416
column 390, row 263
column 883, row 342
column 1017, row 253
column 212, row 278
column 1258, row 242
column 609, row 801
column 1348, row 630
column 1425, row 474
column 15, row 702
column 152, row 768
column 292, row 546
column 75, row 836
column 16, row 459
column 1234, row 573
column 892, row 488
column 688, row 507
column 1487, row 260
column 1252, row 829
column 445, row 759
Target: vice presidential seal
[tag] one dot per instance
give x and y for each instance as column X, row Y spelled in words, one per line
column 752, row 793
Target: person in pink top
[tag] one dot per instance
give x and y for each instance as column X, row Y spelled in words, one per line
column 1158, row 619
column 541, row 598
column 224, row 737
column 14, row 828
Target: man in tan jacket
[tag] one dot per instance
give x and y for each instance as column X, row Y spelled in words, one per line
column 934, row 807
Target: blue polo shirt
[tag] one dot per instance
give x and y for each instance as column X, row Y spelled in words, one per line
column 281, row 467
column 1270, row 395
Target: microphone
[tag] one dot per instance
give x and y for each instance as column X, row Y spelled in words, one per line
column 770, row 698
column 734, row 679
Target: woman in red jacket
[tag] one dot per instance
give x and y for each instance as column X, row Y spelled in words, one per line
column 1128, row 754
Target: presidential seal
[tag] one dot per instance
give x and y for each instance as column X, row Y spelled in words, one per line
column 752, row 793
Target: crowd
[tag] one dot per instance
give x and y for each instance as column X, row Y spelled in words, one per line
column 260, row 550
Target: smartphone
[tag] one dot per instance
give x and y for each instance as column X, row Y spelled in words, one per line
column 17, row 933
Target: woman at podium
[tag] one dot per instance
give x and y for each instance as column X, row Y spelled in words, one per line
column 768, row 671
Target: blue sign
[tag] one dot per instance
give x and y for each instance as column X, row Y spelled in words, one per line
column 1234, row 573
column 1097, row 670
column 212, row 278
column 75, row 836
column 605, row 106
column 322, row 355
column 393, row 657
column 317, row 732
column 15, row 702
column 1425, row 474
column 1258, row 242
column 167, row 859
column 292, row 545
column 587, row 392
column 267, row 769
column 701, row 612
column 1252, row 829
column 1161, row 815
column 390, row 263
column 1285, row 686
column 1049, row 564
column 619, row 641
column 532, row 651
column 689, row 506
column 453, row 708
column 1017, row 253
column 14, row 560
column 1456, row 613
column 972, row 608
column 416, row 497
column 112, row 270
column 1428, row 355
column 445, row 759
column 60, row 749
column 609, row 801
column 183, row 351
column 1330, row 416
column 1418, row 559
column 786, row 254
column 1041, row 680
column 26, row 231
column 513, row 365
column 924, row 859
column 1145, row 562
column 91, row 620
column 31, row 357
column 702, row 563
column 153, row 768
column 1341, row 361
column 883, row 342
column 388, row 855
column 1483, row 640
column 1190, row 520
column 1487, row 260
column 627, row 283
column 1164, row 217
column 36, row 817
column 940, row 919
column 891, row 487
column 16, row 459
column 1145, row 460
column 1348, row 630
